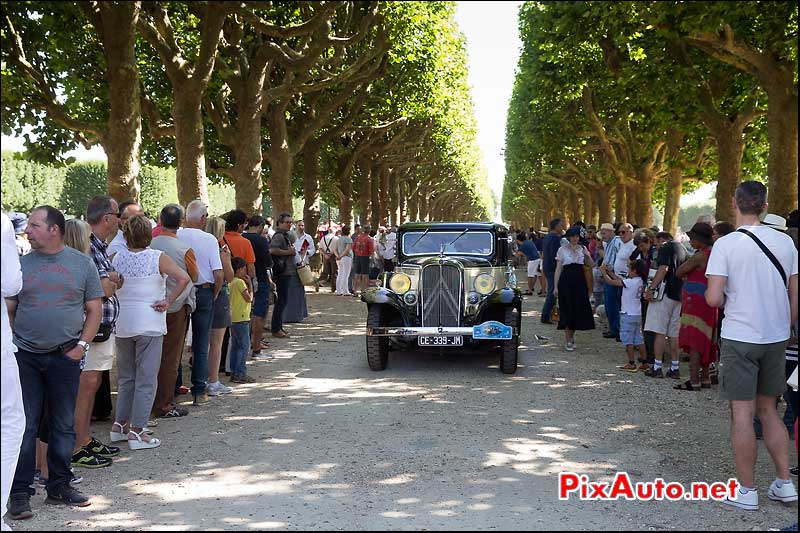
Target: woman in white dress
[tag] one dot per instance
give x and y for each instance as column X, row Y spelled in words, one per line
column 140, row 330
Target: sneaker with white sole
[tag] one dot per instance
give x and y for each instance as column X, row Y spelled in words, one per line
column 570, row 346
column 747, row 501
column 216, row 388
column 786, row 493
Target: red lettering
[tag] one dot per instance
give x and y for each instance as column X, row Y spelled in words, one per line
column 598, row 490
column 659, row 488
column 567, row 482
column 718, row 491
column 733, row 486
column 644, row 491
column 622, row 487
column 700, row 491
column 674, row 491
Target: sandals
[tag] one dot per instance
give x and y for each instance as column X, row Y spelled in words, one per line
column 139, row 444
column 119, row 436
column 527, row 293
column 687, row 385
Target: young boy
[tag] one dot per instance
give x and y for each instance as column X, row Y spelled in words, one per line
column 241, row 290
column 631, row 313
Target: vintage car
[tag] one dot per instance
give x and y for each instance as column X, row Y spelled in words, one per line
column 453, row 286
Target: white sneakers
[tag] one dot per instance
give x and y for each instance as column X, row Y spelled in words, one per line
column 570, row 346
column 747, row 501
column 216, row 388
column 786, row 493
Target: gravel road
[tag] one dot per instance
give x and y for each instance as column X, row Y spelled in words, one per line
column 438, row 441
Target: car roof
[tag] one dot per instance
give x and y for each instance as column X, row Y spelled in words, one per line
column 459, row 226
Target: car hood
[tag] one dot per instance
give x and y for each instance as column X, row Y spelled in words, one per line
column 464, row 261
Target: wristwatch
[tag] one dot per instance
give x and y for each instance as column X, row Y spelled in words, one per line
column 85, row 345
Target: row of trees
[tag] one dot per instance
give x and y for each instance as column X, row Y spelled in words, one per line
column 631, row 104
column 362, row 104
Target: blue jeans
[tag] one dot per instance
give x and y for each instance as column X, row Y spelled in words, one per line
column 240, row 345
column 58, row 376
column 282, row 282
column 201, row 338
column 550, row 300
column 611, row 302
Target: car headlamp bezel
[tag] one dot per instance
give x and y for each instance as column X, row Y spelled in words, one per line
column 400, row 283
column 486, row 289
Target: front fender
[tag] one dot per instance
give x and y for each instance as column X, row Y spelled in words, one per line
column 381, row 295
column 505, row 296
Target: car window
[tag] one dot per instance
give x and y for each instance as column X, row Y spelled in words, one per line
column 471, row 243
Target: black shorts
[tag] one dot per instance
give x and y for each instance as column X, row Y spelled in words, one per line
column 361, row 265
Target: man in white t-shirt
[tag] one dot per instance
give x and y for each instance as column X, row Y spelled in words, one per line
column 207, row 288
column 758, row 316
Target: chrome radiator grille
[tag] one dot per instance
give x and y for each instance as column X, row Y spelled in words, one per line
column 441, row 296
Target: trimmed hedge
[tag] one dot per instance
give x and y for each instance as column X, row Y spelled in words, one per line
column 26, row 184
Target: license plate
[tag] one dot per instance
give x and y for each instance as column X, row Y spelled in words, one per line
column 453, row 340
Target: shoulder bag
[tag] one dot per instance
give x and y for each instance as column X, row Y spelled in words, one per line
column 766, row 251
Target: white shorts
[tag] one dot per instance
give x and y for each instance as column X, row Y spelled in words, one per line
column 664, row 317
column 533, row 268
column 100, row 356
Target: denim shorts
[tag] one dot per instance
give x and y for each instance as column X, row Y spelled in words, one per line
column 630, row 330
column 261, row 300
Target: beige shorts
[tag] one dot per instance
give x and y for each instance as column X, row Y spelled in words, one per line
column 100, row 356
column 664, row 317
column 533, row 268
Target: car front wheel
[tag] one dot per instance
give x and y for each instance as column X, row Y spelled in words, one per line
column 510, row 348
column 377, row 347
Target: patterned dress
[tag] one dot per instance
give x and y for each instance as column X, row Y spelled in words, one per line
column 698, row 319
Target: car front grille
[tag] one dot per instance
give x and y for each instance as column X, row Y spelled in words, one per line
column 441, row 296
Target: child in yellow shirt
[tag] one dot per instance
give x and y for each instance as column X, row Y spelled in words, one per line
column 241, row 290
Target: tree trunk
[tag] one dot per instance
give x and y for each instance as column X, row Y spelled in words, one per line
column 375, row 195
column 187, row 115
column 619, row 204
column 401, row 203
column 344, row 172
column 123, row 137
column 730, row 149
column 246, row 170
column 630, row 204
column 281, row 162
column 383, row 197
column 604, row 204
column 394, row 198
column 311, row 202
column 424, row 212
column 782, row 134
column 644, row 202
column 413, row 206
column 673, row 203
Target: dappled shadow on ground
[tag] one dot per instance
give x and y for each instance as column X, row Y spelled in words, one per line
column 440, row 440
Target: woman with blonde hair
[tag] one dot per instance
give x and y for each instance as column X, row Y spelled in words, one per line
column 76, row 235
column 221, row 320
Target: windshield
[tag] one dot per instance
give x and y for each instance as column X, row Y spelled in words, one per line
column 471, row 243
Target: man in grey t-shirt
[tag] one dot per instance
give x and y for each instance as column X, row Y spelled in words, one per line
column 60, row 285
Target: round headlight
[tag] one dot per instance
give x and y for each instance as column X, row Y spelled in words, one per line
column 410, row 298
column 400, row 283
column 485, row 284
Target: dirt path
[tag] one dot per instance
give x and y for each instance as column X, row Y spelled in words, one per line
column 434, row 442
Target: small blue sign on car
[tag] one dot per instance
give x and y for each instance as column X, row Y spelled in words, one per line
column 492, row 330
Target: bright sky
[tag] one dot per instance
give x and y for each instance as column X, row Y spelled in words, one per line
column 493, row 47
